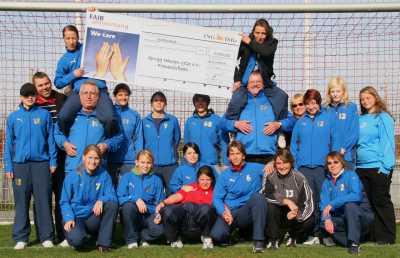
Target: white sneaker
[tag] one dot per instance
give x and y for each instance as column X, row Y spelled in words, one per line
column 145, row 244
column 207, row 242
column 312, row 241
column 64, row 243
column 20, row 245
column 291, row 242
column 133, row 245
column 328, row 241
column 177, row 244
column 47, row 244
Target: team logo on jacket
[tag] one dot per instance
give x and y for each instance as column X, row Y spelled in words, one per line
column 147, row 189
column 165, row 125
column 94, row 123
column 263, row 107
column 207, row 124
column 36, row 121
column 131, row 185
column 125, row 121
column 18, row 182
column 20, row 120
column 188, row 177
column 321, row 123
column 342, row 116
column 248, row 178
column 73, row 61
column 98, row 185
column 341, row 187
column 147, row 125
column 231, row 180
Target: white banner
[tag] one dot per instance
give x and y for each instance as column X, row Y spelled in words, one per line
column 158, row 54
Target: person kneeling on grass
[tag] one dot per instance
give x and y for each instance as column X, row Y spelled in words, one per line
column 88, row 202
column 346, row 213
column 139, row 192
column 237, row 200
column 188, row 212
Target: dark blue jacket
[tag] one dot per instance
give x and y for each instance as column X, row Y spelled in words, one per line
column 87, row 129
column 235, row 188
column 133, row 136
column 163, row 143
column 66, row 66
column 134, row 186
column 81, row 191
column 29, row 137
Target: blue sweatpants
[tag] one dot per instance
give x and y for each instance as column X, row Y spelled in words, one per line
column 351, row 223
column 137, row 226
column 32, row 178
column 254, row 213
column 102, row 226
column 315, row 178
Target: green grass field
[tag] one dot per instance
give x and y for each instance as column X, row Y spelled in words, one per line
column 192, row 251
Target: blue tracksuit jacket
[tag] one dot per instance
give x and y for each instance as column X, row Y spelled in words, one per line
column 66, row 66
column 288, row 123
column 235, row 188
column 29, row 137
column 259, row 112
column 312, row 139
column 346, row 127
column 185, row 174
column 163, row 143
column 133, row 136
column 207, row 132
column 87, row 129
column 376, row 143
column 81, row 191
column 133, row 186
column 348, row 188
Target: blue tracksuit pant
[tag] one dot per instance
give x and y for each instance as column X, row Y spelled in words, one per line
column 187, row 219
column 139, row 226
column 351, row 223
column 104, row 112
column 315, row 178
column 32, row 178
column 102, row 226
column 254, row 213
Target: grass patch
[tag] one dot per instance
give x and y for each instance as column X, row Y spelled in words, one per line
column 240, row 250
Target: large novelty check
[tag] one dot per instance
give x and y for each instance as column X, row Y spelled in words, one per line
column 158, row 54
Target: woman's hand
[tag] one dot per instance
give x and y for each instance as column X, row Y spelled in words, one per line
column 141, row 206
column 69, row 225
column 98, row 208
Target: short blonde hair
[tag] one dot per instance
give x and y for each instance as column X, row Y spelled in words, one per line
column 334, row 83
column 296, row 97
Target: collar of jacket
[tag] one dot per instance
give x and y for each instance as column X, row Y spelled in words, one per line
column 136, row 172
column 283, row 176
column 121, row 108
column 166, row 117
column 209, row 113
column 22, row 108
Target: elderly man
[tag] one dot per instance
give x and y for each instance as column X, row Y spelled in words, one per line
column 52, row 101
column 86, row 129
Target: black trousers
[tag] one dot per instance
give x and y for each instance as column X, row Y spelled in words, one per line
column 278, row 224
column 377, row 188
column 187, row 219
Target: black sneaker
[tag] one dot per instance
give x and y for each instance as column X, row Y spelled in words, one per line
column 258, row 247
column 103, row 249
column 354, row 249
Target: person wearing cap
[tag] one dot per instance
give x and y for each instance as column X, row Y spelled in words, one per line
column 52, row 101
column 123, row 159
column 30, row 157
column 162, row 134
column 205, row 129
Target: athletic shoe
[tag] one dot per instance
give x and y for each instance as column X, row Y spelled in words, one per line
column 354, row 249
column 177, row 244
column 64, row 243
column 47, row 244
column 312, row 241
column 274, row 244
column 258, row 247
column 103, row 249
column 207, row 242
column 20, row 245
column 328, row 241
column 291, row 242
column 133, row 245
column 145, row 244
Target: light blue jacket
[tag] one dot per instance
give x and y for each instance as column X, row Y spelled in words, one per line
column 81, row 191
column 235, row 188
column 163, row 143
column 66, row 66
column 87, row 129
column 376, row 147
column 133, row 186
column 133, row 136
column 29, row 137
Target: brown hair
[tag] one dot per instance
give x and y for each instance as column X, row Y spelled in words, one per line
column 207, row 171
column 285, row 156
column 380, row 105
column 70, row 28
column 263, row 23
column 39, row 75
column 335, row 155
column 337, row 82
column 89, row 148
column 312, row 94
column 238, row 145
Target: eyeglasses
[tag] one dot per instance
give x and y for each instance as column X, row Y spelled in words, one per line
column 333, row 162
column 297, row 105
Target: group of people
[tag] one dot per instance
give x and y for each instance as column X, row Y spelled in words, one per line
column 319, row 173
